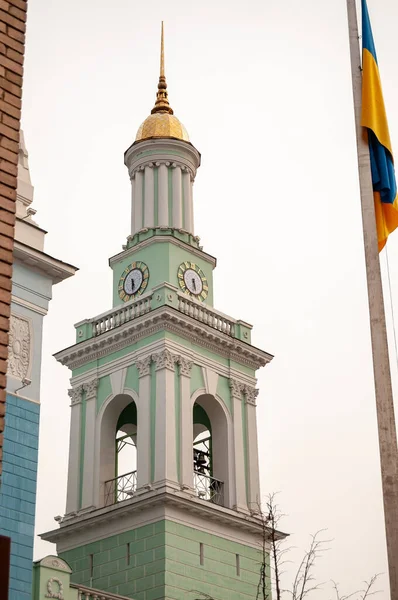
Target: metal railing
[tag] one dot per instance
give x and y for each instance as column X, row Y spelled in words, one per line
column 86, row 593
column 208, row 488
column 120, row 488
column 206, row 315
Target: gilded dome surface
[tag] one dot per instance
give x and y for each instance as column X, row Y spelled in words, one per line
column 162, row 125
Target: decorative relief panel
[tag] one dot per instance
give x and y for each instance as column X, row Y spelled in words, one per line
column 19, row 347
column 55, row 589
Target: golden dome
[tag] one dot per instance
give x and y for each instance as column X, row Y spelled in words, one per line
column 162, row 123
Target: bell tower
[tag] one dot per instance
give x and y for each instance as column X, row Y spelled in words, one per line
column 163, row 476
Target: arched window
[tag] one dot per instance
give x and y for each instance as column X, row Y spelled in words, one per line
column 207, row 486
column 124, row 483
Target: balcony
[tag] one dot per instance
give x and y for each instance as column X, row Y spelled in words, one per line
column 165, row 295
column 208, row 488
column 120, row 488
column 123, row 487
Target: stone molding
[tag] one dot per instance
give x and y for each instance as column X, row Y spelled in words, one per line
column 91, row 389
column 75, row 394
column 132, row 357
column 144, row 366
column 164, row 360
column 185, row 365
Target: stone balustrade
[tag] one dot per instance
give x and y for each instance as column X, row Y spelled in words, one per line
column 121, row 315
column 206, row 315
column 162, row 295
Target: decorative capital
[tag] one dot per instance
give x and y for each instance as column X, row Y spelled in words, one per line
column 236, row 388
column 251, row 394
column 144, row 366
column 164, row 360
column 91, row 389
column 185, row 365
column 75, row 394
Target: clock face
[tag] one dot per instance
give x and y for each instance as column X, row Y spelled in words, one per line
column 133, row 281
column 192, row 280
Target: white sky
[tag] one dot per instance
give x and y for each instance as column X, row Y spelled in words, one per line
column 264, row 90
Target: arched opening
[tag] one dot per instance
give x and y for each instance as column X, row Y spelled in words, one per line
column 210, row 450
column 118, row 453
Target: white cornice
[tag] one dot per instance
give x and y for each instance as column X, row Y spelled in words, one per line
column 174, row 347
column 168, row 319
column 163, row 239
column 54, row 268
column 165, row 502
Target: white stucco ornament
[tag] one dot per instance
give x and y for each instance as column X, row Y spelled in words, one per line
column 58, row 585
column 19, row 347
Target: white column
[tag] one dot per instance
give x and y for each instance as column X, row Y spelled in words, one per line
column 89, row 443
column 149, row 209
column 252, row 450
column 132, row 204
column 144, row 423
column 240, row 482
column 177, row 198
column 163, row 196
column 165, row 438
column 188, row 209
column 138, row 201
column 73, row 490
column 186, row 423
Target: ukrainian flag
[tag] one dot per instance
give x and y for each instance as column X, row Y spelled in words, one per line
column 374, row 118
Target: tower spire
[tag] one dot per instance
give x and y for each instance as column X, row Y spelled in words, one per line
column 162, row 101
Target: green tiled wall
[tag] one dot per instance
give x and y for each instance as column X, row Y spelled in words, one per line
column 164, row 563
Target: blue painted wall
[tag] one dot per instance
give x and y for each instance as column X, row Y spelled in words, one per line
column 18, row 491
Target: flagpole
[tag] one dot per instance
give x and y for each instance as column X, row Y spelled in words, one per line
column 381, row 364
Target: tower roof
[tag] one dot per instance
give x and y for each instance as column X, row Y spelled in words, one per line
column 162, row 123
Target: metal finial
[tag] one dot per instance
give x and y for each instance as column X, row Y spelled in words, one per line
column 162, row 101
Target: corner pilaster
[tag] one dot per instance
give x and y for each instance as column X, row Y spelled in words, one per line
column 186, row 429
column 90, row 390
column 251, row 394
column 165, row 438
column 237, row 389
column 73, row 489
column 144, row 423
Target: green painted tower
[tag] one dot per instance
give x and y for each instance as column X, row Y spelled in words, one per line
column 163, row 470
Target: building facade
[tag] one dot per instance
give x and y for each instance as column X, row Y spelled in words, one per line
column 163, row 479
column 34, row 274
column 12, row 51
